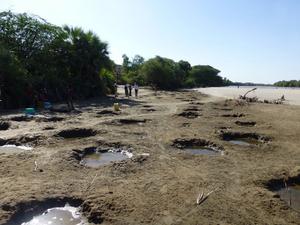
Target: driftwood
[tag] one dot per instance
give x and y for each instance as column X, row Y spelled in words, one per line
column 255, row 99
column 244, row 96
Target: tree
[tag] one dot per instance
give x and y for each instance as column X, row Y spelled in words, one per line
column 53, row 57
column 291, row 83
column 131, row 70
column 204, row 76
column 126, row 64
column 137, row 62
column 163, row 73
column 185, row 66
column 26, row 35
column 12, row 79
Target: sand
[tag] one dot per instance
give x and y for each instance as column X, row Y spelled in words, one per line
column 159, row 185
column 291, row 95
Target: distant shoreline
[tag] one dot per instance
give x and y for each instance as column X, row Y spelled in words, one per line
column 292, row 95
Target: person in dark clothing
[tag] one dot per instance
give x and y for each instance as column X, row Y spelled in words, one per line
column 70, row 98
column 126, row 90
column 130, row 89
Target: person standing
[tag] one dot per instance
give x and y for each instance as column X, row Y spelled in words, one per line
column 70, row 98
column 136, row 89
column 126, row 90
column 116, row 89
column 130, row 89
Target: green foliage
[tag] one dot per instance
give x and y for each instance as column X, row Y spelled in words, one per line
column 51, row 57
column 163, row 73
column 108, row 79
column 12, row 79
column 131, row 70
column 36, row 55
column 26, row 36
column 185, row 66
column 291, row 83
column 204, row 76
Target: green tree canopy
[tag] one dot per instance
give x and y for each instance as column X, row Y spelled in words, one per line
column 290, row 83
column 53, row 57
column 163, row 73
column 204, row 76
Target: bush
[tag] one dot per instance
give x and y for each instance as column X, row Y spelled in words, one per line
column 108, row 79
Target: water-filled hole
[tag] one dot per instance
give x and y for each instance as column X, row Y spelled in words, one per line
column 244, row 139
column 55, row 211
column 96, row 156
column 288, row 190
column 198, row 146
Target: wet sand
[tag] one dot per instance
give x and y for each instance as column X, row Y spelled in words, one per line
column 291, row 95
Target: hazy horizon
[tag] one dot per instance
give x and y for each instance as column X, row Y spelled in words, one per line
column 248, row 41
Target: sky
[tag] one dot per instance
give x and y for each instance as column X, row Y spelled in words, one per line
column 249, row 41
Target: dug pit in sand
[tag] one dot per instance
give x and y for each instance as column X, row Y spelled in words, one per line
column 77, row 133
column 189, row 114
column 246, row 123
column 95, row 156
column 234, row 115
column 244, row 139
column 66, row 215
column 4, row 125
column 198, row 147
column 56, row 211
column 19, row 144
column 288, row 191
column 13, row 149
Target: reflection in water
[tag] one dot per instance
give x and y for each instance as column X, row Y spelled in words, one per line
column 244, row 141
column 196, row 150
column 291, row 196
column 97, row 159
column 11, row 149
column 58, row 216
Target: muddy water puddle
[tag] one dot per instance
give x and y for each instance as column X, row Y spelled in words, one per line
column 243, row 142
column 291, row 196
column 200, row 150
column 197, row 146
column 12, row 149
column 66, row 215
column 96, row 158
column 244, row 139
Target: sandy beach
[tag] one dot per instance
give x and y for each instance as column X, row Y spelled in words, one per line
column 160, row 182
column 292, row 95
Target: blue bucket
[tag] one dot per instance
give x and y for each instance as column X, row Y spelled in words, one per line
column 47, row 105
column 29, row 111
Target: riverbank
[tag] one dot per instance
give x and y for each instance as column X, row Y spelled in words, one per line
column 292, row 95
column 160, row 183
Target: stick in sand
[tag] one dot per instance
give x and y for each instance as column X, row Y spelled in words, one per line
column 36, row 165
column 91, row 182
column 201, row 198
